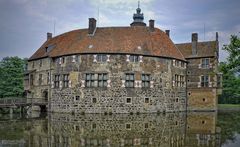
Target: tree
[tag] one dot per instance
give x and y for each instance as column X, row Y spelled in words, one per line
column 11, row 77
column 233, row 50
column 231, row 70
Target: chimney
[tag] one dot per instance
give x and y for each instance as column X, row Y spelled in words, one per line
column 92, row 26
column 216, row 36
column 167, row 32
column 194, row 43
column 151, row 25
column 49, row 36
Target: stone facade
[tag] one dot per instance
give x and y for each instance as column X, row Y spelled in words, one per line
column 159, row 95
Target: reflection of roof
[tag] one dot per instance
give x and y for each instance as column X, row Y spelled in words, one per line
column 124, row 40
column 204, row 49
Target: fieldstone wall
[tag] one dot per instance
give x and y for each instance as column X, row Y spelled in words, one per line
column 162, row 94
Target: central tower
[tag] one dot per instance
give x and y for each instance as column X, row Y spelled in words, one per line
column 138, row 17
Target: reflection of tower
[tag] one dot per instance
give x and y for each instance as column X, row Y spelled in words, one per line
column 138, row 17
column 202, row 130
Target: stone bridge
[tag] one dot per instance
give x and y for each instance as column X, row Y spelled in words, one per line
column 22, row 103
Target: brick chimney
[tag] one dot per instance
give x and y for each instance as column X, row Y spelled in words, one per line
column 216, row 36
column 92, row 26
column 194, row 43
column 151, row 25
column 49, row 36
column 167, row 32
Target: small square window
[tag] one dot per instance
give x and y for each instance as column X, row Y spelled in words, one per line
column 146, row 125
column 77, row 98
column 94, row 100
column 94, row 126
column 129, row 100
column 128, row 126
column 147, row 100
column 176, row 99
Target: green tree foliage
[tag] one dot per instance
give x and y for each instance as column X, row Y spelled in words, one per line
column 233, row 50
column 11, row 77
column 231, row 70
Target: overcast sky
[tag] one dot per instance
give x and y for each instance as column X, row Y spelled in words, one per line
column 25, row 23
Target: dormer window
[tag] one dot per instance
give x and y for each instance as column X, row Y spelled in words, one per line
column 49, row 48
column 134, row 58
column 101, row 58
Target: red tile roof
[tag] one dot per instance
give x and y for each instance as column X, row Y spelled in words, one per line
column 204, row 49
column 125, row 40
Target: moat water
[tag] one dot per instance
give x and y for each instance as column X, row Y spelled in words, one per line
column 208, row 129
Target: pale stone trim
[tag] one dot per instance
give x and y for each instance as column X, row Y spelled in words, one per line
column 70, row 84
column 108, row 83
column 127, row 58
column 83, row 83
column 173, row 83
column 52, row 84
column 73, row 58
column 94, row 58
column 174, row 62
column 123, row 83
column 151, row 84
column 60, row 85
column 60, row 60
column 140, row 59
column 108, row 58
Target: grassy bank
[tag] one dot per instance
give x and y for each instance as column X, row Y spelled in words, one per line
column 234, row 107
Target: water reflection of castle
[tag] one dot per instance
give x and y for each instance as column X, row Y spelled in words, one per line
column 181, row 129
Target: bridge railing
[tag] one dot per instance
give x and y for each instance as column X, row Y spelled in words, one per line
column 37, row 101
column 21, row 101
column 12, row 101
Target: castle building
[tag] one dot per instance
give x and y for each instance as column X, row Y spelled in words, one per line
column 136, row 69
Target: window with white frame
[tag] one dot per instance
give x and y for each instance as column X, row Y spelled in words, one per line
column 134, row 58
column 204, row 81
column 145, row 80
column 101, row 58
column 129, row 80
column 205, row 63
column 89, row 80
column 65, row 80
column 102, row 79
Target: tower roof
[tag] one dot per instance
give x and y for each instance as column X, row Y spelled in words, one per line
column 138, row 17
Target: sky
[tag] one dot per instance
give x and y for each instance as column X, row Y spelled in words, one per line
column 24, row 23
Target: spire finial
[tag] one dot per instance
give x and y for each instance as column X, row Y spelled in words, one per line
column 138, row 4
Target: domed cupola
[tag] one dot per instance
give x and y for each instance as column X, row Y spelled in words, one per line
column 138, row 17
